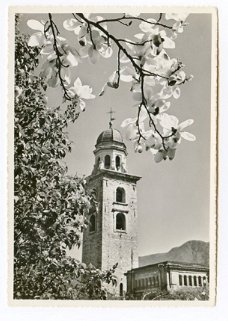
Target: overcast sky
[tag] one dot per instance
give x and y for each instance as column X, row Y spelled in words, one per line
column 173, row 196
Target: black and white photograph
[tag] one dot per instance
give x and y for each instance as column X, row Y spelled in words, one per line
column 114, row 118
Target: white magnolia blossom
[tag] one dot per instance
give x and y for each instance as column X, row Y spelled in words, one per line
column 180, row 20
column 170, row 123
column 82, row 92
column 37, row 38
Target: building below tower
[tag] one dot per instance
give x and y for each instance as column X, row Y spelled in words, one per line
column 166, row 276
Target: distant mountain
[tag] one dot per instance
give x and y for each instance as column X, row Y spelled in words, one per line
column 190, row 252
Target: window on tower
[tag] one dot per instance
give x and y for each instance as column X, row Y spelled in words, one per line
column 92, row 223
column 120, row 195
column 120, row 222
column 107, row 162
column 117, row 163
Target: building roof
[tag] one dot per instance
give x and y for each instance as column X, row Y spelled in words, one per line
column 110, row 135
column 173, row 265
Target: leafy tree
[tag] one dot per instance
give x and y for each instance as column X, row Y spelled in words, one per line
column 195, row 294
column 50, row 206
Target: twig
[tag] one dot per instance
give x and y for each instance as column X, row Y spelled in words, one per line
column 157, row 23
column 58, row 59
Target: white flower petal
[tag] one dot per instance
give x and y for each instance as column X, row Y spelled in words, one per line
column 176, row 93
column 128, row 121
column 72, row 59
column 148, row 27
column 106, row 52
column 126, row 78
column 77, row 30
column 168, row 121
column 159, row 156
column 165, row 107
column 37, row 39
column 186, row 123
column 168, row 43
column 126, row 74
column 188, row 136
column 82, row 104
column 153, row 151
column 132, row 14
column 47, row 50
column 139, row 36
column 147, row 134
column 77, row 83
column 171, row 153
column 35, row 25
column 70, row 24
column 131, row 132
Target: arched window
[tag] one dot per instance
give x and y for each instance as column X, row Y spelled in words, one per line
column 195, row 280
column 120, row 222
column 92, row 223
column 204, row 280
column 121, row 289
column 180, row 280
column 200, row 280
column 107, row 161
column 120, row 195
column 185, row 280
column 190, row 280
column 117, row 162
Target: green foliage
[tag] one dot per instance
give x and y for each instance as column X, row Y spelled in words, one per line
column 193, row 294
column 50, row 206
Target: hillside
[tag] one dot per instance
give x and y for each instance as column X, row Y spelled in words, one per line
column 190, row 252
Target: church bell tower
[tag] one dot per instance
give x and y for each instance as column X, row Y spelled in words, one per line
column 111, row 236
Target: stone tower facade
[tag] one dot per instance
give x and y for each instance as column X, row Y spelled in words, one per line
column 112, row 233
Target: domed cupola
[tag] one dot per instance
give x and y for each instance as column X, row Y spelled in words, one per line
column 110, row 152
column 110, row 136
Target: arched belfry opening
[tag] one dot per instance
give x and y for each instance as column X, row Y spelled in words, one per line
column 107, row 162
column 120, row 222
column 120, row 195
column 117, row 163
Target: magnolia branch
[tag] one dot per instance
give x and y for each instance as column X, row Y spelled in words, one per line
column 59, row 63
column 144, row 103
column 124, row 17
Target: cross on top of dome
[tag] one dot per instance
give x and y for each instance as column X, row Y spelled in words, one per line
column 111, row 112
